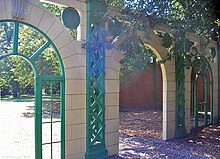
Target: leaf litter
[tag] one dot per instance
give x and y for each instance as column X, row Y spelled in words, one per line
column 141, row 137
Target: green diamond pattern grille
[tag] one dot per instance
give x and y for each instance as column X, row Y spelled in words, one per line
column 180, row 98
column 95, row 80
column 95, row 96
column 97, row 73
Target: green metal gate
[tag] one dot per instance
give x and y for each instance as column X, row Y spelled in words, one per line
column 28, row 42
column 201, row 110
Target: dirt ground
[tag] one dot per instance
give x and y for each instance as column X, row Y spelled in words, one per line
column 140, row 138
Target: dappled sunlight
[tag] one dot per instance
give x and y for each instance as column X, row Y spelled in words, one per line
column 137, row 143
column 143, row 123
column 212, row 132
column 29, row 111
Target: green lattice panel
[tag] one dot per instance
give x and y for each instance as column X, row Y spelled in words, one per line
column 95, row 81
column 95, row 96
column 180, row 98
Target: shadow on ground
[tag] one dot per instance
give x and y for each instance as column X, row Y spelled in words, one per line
column 134, row 144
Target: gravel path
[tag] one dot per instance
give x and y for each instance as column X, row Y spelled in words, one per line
column 140, row 136
column 17, row 136
column 136, row 143
column 17, row 132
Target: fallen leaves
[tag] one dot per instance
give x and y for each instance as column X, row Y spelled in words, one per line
column 141, row 138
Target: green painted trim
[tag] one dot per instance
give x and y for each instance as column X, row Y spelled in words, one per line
column 95, row 149
column 40, row 50
column 52, row 78
column 180, row 128
column 218, row 56
column 25, row 58
column 202, row 60
column 15, row 39
column 63, row 127
column 38, row 86
column 87, row 79
column 51, row 119
column 211, row 104
column 38, row 118
column 195, row 106
column 45, row 35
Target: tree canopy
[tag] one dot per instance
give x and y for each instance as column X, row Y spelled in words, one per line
column 200, row 17
column 16, row 74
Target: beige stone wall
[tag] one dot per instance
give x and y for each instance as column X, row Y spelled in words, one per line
column 74, row 60
column 214, row 66
column 112, row 100
column 169, row 85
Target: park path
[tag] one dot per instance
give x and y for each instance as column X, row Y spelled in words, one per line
column 16, row 131
column 17, row 136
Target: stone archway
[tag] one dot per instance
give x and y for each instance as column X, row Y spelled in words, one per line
column 73, row 58
column 168, row 75
column 74, row 61
column 201, row 110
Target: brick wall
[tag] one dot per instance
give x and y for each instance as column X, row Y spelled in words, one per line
column 138, row 93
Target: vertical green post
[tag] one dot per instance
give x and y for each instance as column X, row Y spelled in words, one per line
column 95, row 81
column 211, row 105
column 51, row 119
column 205, row 97
column 195, row 105
column 62, row 96
column 218, row 50
column 15, row 36
column 38, row 118
column 180, row 98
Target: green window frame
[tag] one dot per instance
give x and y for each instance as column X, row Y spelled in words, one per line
column 39, row 79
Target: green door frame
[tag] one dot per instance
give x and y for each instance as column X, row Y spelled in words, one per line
column 38, row 79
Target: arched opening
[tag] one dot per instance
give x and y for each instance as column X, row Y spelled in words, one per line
column 201, row 110
column 141, row 98
column 47, row 112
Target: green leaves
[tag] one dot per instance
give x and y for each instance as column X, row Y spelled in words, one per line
column 136, row 57
column 15, row 69
column 188, row 45
column 181, row 16
column 6, row 37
